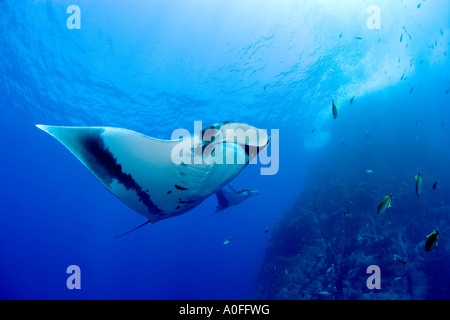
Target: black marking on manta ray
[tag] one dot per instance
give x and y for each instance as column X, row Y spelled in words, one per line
column 110, row 169
column 180, row 188
column 188, row 201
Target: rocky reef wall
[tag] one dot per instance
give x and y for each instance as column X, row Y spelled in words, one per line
column 326, row 241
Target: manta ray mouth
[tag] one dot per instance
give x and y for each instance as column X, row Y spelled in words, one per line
column 252, row 140
column 252, row 151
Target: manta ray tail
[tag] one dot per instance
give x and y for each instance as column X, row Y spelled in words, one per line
column 208, row 217
column 123, row 234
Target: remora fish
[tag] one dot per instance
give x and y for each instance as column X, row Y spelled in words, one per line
column 233, row 197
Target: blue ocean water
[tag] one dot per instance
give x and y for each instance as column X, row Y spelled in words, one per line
column 156, row 66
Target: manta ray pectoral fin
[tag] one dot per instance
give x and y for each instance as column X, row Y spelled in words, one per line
column 125, row 162
column 222, row 200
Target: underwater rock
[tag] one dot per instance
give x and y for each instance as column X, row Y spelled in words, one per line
column 327, row 253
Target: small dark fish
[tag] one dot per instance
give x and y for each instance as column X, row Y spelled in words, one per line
column 418, row 184
column 411, row 91
column 435, row 184
column 384, row 204
column 401, row 38
column 419, row 5
column 446, row 92
column 432, row 240
column 403, row 75
column 343, row 142
column 298, row 254
column 312, row 131
column 404, row 29
column 442, row 32
column 340, row 36
column 352, row 99
column 267, row 230
column 334, row 109
column 358, row 38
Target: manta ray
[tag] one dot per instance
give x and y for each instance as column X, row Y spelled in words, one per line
column 161, row 179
